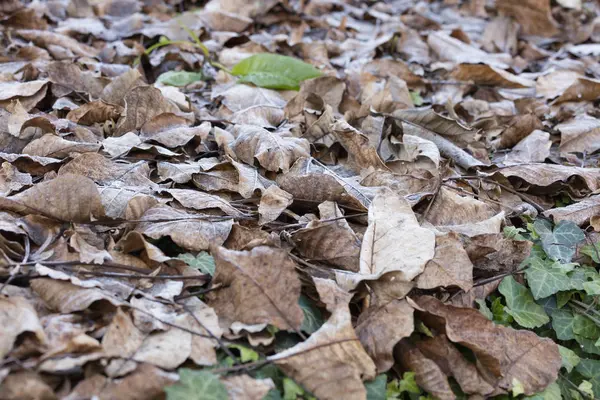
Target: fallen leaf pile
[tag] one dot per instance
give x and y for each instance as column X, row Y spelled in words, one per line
column 287, row 199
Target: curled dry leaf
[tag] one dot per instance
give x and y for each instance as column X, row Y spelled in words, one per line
column 272, row 203
column 274, row 151
column 331, row 363
column 18, row 317
column 503, row 354
column 66, row 297
column 580, row 212
column 260, row 286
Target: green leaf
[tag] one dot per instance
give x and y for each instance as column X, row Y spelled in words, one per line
column 501, row 317
column 416, row 98
column 585, row 327
column 376, row 389
column 552, row 392
column 484, row 309
column 587, row 345
column 592, row 288
column 312, row 315
column 408, row 383
column 591, row 370
column 570, row 359
column 246, row 353
column 586, row 387
column 562, row 322
column 517, row 387
column 520, row 304
column 582, row 275
column 514, row 233
column 179, row 78
column 592, row 251
column 291, row 390
column 562, row 298
column 197, row 385
column 274, row 71
column 203, row 262
column 560, row 243
column 544, row 279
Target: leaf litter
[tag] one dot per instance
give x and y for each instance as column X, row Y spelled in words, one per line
column 299, row 199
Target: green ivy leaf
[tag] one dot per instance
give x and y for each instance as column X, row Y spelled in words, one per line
column 544, row 279
column 312, row 315
column 560, row 243
column 197, row 385
column 587, row 345
column 501, row 317
column 514, row 233
column 592, row 251
column 484, row 309
column 179, row 78
column 520, row 304
column 590, row 369
column 203, row 262
column 376, row 389
column 416, row 98
column 246, row 353
column 585, row 327
column 562, row 322
column 291, row 390
column 570, row 359
column 408, row 383
column 274, row 71
column 552, row 392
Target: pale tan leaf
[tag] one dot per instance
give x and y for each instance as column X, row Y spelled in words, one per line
column 555, row 83
column 272, row 203
column 243, row 387
column 393, row 242
column 534, row 148
column 48, row 39
column 451, row 49
column 331, row 363
column 579, row 212
column 18, row 316
column 12, row 180
column 198, row 200
column 580, row 135
column 260, row 286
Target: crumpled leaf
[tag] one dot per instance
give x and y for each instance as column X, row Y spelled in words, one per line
column 502, row 353
column 274, row 71
column 260, row 286
column 331, row 363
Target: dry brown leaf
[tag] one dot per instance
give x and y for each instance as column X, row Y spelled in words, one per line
column 555, row 83
column 66, row 198
column 114, row 93
column 428, row 374
column 243, row 387
column 260, row 286
column 451, row 49
column 18, row 317
column 584, row 89
column 393, row 242
column 48, row 39
column 94, row 112
column 51, row 145
column 191, row 231
column 331, row 363
column 274, row 151
column 453, row 363
column 333, row 242
column 534, row 16
column 483, row 74
column 11, row 180
column 145, row 382
column 534, row 148
column 272, row 203
column 381, row 326
column 518, row 128
column 503, row 354
column 361, row 154
column 26, row 385
column 198, row 200
column 172, row 131
column 69, row 76
column 580, row 212
column 427, row 118
column 142, row 104
column 580, row 135
column 449, row 267
column 66, row 297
